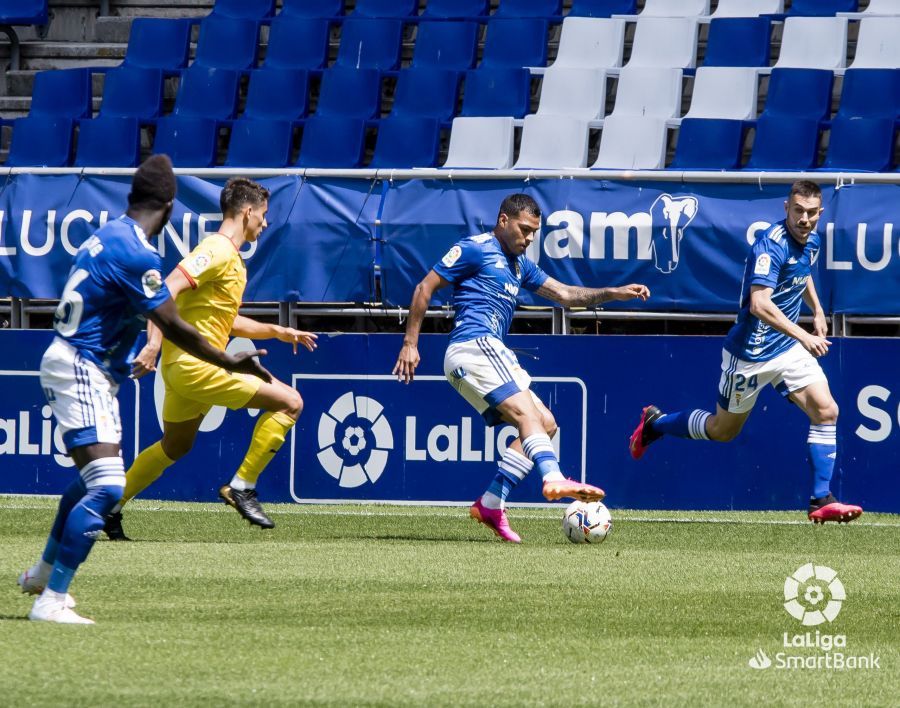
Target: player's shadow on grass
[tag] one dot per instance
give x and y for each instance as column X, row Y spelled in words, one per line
column 13, row 618
column 433, row 539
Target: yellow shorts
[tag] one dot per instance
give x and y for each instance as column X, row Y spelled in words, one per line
column 194, row 386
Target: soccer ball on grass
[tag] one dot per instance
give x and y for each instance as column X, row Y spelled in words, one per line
column 586, row 522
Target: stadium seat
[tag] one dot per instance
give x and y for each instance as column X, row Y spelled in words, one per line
column 277, row 94
column 23, row 12
column 602, row 8
column 245, row 9
column 404, row 143
column 188, row 140
column 748, row 8
column 870, row 93
column 682, row 8
column 665, row 42
column 813, row 43
column 553, row 142
column 156, row 43
column 260, row 143
column 297, row 43
column 529, row 8
column 397, row 9
column 426, row 93
column 481, row 143
column 724, row 92
column 132, row 92
column 881, row 7
column 821, row 8
column 332, row 142
column 227, row 43
column 709, row 144
column 784, row 142
column 590, row 43
column 455, row 9
column 370, row 44
column 877, row 46
column 632, row 143
column 648, row 92
column 445, row 45
column 578, row 93
column 861, row 144
column 515, row 43
column 813, row 84
column 41, row 141
column 312, row 8
column 207, row 93
column 62, row 92
column 350, row 93
column 108, row 141
column 738, row 41
column 497, row 92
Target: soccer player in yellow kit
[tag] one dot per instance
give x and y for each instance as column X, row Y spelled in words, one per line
column 208, row 286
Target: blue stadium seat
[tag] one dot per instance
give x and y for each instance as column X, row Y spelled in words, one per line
column 861, row 144
column 189, row 141
column 133, row 93
column 821, row 8
column 784, row 143
column 602, row 8
column 385, row 8
column 312, row 8
column 870, row 93
column 23, row 12
column 260, row 143
column 332, row 142
column 108, row 142
column 446, row 45
column 297, row 43
column 227, row 43
column 430, row 93
column 738, row 41
column 709, row 144
column 350, row 93
column 207, row 93
column 529, row 8
column 786, row 85
column 41, row 141
column 245, row 9
column 455, row 9
column 370, row 44
column 62, row 92
column 404, row 143
column 277, row 94
column 497, row 92
column 156, row 43
column 515, row 43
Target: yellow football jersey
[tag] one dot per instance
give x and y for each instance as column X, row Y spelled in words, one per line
column 218, row 276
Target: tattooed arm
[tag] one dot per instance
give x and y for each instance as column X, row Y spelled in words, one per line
column 577, row 296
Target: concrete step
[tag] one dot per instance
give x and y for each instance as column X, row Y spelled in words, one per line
column 63, row 55
column 18, row 106
column 21, row 83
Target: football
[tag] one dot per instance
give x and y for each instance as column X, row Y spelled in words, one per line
column 586, row 522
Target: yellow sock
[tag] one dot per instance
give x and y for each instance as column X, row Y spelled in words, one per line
column 268, row 437
column 145, row 470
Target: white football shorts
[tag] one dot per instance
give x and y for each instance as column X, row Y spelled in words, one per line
column 741, row 381
column 81, row 396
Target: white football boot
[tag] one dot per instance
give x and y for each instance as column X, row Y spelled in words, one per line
column 49, row 609
column 32, row 584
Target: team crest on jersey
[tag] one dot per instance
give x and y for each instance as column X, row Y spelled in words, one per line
column 151, row 281
column 452, row 256
column 763, row 264
column 518, row 271
column 670, row 217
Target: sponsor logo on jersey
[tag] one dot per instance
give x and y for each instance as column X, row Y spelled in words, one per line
column 151, row 281
column 451, row 256
column 763, row 264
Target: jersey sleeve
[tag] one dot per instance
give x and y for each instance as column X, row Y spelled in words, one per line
column 461, row 261
column 532, row 275
column 142, row 282
column 766, row 259
column 204, row 263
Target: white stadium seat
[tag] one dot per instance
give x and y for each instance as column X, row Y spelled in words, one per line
column 648, row 92
column 665, row 42
column 748, row 8
column 481, row 143
column 579, row 93
column 553, row 142
column 591, row 43
column 724, row 92
column 878, row 44
column 813, row 43
column 678, row 8
column 632, row 143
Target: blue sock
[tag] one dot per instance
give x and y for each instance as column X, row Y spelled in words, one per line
column 683, row 424
column 73, row 494
column 822, row 442
column 539, row 450
column 511, row 470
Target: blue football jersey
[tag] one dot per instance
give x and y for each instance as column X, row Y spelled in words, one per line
column 115, row 279
column 777, row 261
column 485, row 284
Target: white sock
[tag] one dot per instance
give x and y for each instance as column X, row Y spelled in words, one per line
column 242, row 485
column 554, row 477
column 53, row 595
column 491, row 501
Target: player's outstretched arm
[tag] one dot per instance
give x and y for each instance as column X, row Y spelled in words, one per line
column 762, row 307
column 188, row 338
column 577, row 296
column 408, row 359
column 245, row 327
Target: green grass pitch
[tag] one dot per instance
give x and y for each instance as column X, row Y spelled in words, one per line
column 391, row 606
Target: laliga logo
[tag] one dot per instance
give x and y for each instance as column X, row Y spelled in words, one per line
column 817, row 583
column 674, row 214
column 354, row 439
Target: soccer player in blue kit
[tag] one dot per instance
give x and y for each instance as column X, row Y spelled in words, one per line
column 486, row 272
column 766, row 345
column 114, row 286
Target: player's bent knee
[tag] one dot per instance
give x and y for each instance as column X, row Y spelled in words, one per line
column 176, row 449
column 549, row 423
column 826, row 415
column 294, row 404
